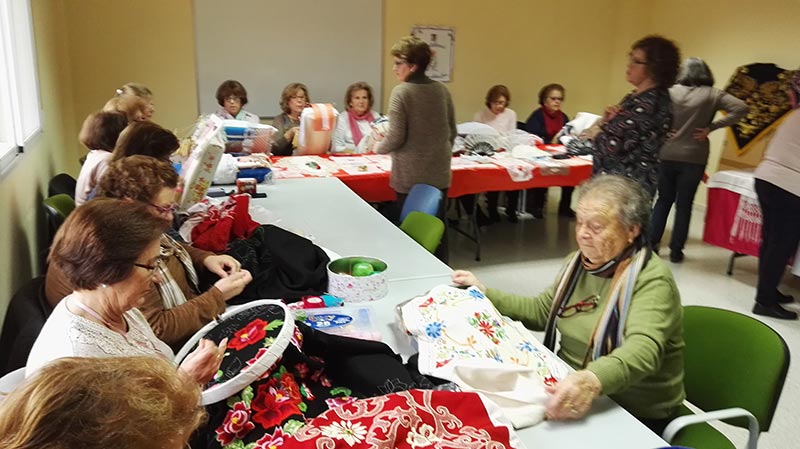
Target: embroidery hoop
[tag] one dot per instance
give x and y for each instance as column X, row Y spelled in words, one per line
column 236, row 384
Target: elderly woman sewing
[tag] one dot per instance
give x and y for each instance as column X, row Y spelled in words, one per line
column 177, row 307
column 119, row 402
column 616, row 307
column 109, row 251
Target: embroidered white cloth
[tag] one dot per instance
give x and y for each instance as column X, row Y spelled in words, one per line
column 464, row 339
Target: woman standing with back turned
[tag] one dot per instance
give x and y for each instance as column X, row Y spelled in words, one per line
column 684, row 156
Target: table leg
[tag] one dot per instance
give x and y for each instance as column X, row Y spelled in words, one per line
column 734, row 256
column 475, row 235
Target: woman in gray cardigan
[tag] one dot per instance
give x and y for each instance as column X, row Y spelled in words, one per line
column 684, row 156
column 422, row 127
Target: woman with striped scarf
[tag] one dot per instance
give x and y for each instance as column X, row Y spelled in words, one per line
column 615, row 305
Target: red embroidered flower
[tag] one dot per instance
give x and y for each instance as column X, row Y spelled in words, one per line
column 486, row 329
column 254, row 332
column 302, row 370
column 271, row 441
column 275, row 401
column 255, row 358
column 236, row 425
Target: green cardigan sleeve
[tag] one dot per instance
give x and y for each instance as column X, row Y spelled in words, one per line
column 531, row 311
column 655, row 317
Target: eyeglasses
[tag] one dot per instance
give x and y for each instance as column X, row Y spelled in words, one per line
column 555, row 98
column 298, row 97
column 587, row 305
column 148, row 267
column 500, row 103
column 398, row 62
column 233, row 98
column 164, row 210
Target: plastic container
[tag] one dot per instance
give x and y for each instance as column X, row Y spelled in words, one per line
column 348, row 321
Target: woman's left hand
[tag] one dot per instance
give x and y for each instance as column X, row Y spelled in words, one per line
column 572, row 397
column 701, row 134
column 222, row 265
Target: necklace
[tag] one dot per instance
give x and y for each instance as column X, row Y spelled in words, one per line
column 91, row 312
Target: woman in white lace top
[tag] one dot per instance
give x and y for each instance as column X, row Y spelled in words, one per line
column 108, row 250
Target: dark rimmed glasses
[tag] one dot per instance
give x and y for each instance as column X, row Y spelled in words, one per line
column 164, row 210
column 586, row 305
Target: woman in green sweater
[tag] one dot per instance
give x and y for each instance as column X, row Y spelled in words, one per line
column 616, row 307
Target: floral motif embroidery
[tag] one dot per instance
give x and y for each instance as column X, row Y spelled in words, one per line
column 422, row 437
column 237, row 424
column 271, row 441
column 276, row 400
column 348, row 431
column 250, row 334
column 337, row 402
column 434, row 330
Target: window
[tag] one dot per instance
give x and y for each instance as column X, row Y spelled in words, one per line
column 19, row 91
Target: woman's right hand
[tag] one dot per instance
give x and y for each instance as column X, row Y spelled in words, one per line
column 466, row 278
column 203, row 363
column 610, row 113
column 233, row 284
column 289, row 134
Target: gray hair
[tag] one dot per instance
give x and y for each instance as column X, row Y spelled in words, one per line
column 629, row 198
column 695, row 72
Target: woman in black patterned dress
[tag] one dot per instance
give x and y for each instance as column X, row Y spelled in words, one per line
column 633, row 131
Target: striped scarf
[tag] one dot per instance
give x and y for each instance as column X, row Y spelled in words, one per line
column 171, row 294
column 609, row 331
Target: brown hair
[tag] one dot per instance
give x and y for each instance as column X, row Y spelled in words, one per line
column 496, row 92
column 128, row 105
column 99, row 403
column 290, row 91
column 101, row 240
column 137, row 89
column 545, row 91
column 137, row 177
column 663, row 59
column 101, row 129
column 147, row 139
column 361, row 85
column 414, row 50
column 231, row 88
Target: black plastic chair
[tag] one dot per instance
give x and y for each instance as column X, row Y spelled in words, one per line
column 26, row 314
column 62, row 183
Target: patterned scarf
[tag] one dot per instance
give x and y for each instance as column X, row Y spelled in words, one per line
column 171, row 294
column 608, row 333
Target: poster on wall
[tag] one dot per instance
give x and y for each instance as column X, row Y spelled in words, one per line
column 441, row 41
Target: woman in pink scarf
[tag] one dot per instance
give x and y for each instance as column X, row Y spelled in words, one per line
column 353, row 126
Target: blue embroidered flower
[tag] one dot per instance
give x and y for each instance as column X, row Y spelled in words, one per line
column 475, row 293
column 526, row 346
column 434, row 330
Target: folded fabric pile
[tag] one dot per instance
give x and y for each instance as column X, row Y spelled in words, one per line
column 211, row 227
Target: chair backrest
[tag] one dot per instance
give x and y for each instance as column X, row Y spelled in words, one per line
column 62, row 183
column 26, row 314
column 425, row 229
column 733, row 360
column 58, row 207
column 423, row 198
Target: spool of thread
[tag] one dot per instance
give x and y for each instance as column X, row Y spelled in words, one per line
column 313, row 302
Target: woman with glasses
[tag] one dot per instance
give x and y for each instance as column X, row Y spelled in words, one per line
column 616, row 307
column 294, row 99
column 108, row 250
column 422, row 128
column 232, row 96
column 499, row 116
column 546, row 122
column 633, row 131
column 177, row 306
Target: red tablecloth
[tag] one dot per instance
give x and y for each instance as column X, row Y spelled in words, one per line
column 374, row 187
column 722, row 228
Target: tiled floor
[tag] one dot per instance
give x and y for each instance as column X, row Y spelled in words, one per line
column 525, row 257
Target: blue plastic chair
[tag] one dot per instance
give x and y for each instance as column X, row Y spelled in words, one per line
column 423, row 198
